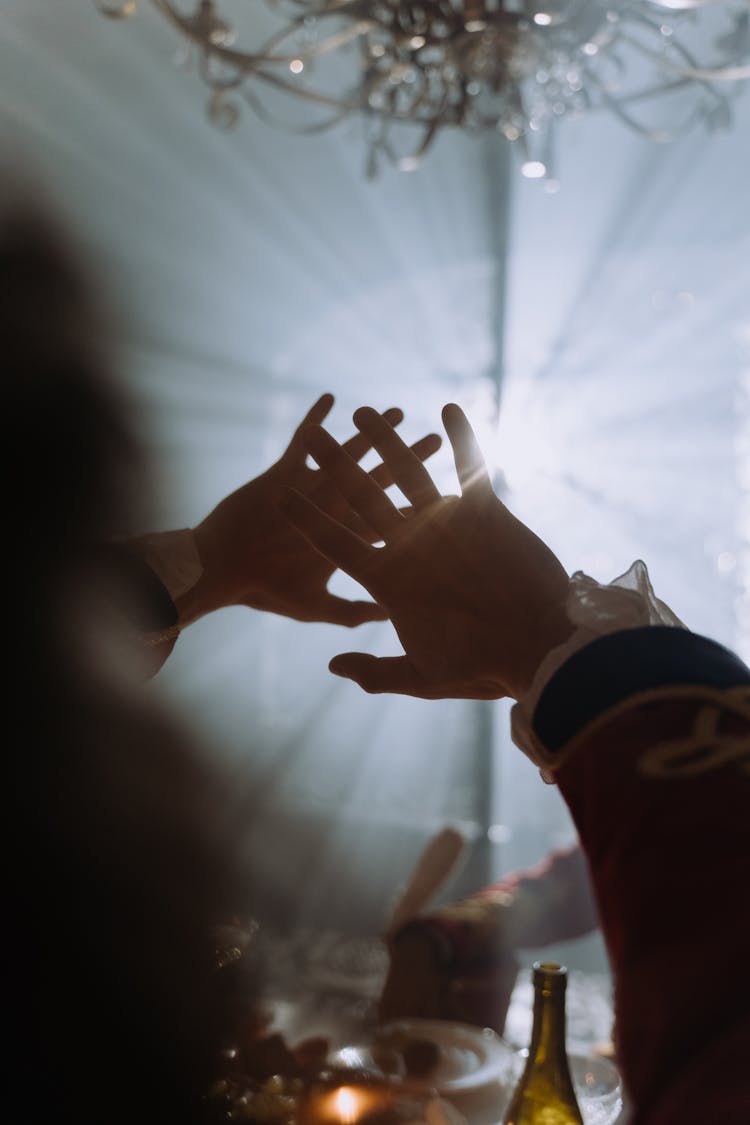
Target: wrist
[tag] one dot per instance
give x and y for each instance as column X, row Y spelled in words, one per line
column 548, row 633
column 175, row 559
column 595, row 610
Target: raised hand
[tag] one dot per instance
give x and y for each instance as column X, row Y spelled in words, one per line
column 476, row 598
column 253, row 556
column 420, row 985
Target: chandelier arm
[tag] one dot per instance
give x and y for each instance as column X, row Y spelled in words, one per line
column 238, row 83
column 117, row 9
column 256, row 105
column 183, row 25
column 374, row 82
column 220, row 84
column 616, row 106
column 245, row 61
column 332, row 43
column 723, row 74
column 682, row 75
column 693, row 70
column 421, row 103
column 649, row 92
column 411, row 160
column 418, row 65
column 429, row 136
column 307, row 94
column 333, row 8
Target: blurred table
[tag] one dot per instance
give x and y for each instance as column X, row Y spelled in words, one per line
column 324, row 983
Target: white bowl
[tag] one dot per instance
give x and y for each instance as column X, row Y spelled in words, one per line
column 475, row 1071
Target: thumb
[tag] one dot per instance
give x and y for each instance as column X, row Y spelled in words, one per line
column 376, row 674
column 341, row 611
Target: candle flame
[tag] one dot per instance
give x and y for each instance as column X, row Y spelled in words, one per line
column 347, row 1105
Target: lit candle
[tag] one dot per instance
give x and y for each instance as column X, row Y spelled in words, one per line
column 348, row 1104
column 344, row 1105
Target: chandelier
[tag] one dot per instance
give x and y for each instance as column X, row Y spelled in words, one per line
column 409, row 69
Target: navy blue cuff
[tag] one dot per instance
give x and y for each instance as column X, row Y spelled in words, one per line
column 622, row 664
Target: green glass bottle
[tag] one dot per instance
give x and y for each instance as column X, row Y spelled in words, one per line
column 545, row 1093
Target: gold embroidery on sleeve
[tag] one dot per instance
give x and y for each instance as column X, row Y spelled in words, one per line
column 705, row 747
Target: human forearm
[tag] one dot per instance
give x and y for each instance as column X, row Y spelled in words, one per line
column 536, row 906
column 460, row 960
column 651, row 732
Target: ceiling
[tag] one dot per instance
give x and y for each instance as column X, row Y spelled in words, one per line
column 252, row 270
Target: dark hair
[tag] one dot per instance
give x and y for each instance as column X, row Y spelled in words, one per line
column 118, row 853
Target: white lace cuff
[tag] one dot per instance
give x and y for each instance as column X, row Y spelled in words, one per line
column 628, row 602
column 173, row 556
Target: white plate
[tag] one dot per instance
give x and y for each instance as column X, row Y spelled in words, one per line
column 470, row 1057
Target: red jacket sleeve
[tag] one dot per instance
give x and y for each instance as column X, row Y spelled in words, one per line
column 652, row 730
column 537, row 906
column 476, row 938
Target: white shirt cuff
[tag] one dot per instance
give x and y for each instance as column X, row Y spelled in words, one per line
column 173, row 556
column 628, row 602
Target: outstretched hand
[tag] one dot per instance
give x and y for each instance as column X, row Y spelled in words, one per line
column 476, row 598
column 253, row 556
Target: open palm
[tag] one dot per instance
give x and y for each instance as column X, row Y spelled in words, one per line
column 476, row 598
column 252, row 555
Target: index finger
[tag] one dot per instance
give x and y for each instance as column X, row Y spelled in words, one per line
column 471, row 466
column 340, row 545
column 359, row 444
column 365, row 496
column 405, row 466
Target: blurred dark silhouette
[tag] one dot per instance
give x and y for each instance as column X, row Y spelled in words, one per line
column 119, row 853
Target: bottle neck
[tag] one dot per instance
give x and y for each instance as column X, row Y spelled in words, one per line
column 547, row 1046
column 545, row 1092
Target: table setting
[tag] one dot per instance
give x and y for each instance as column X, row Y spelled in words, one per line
column 321, row 1056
